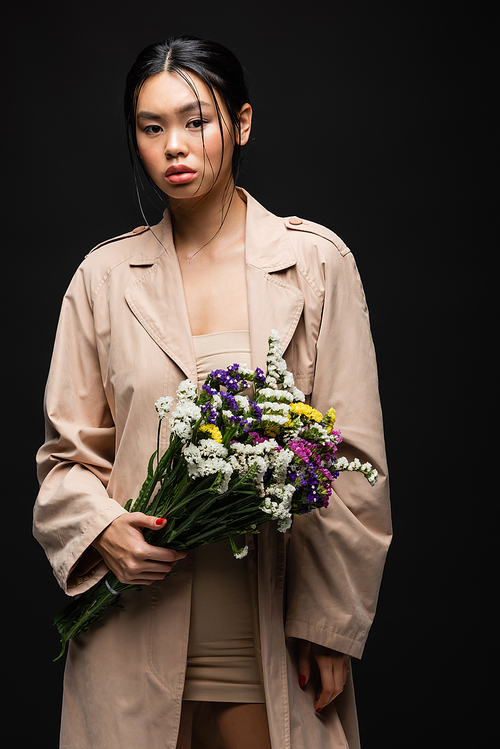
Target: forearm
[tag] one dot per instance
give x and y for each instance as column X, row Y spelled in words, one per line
column 71, row 510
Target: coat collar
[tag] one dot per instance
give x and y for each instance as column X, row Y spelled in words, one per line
column 157, row 298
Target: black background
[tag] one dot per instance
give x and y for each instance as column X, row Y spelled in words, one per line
column 370, row 118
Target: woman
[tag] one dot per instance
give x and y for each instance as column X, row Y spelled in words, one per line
column 224, row 653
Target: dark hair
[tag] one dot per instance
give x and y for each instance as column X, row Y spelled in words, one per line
column 216, row 65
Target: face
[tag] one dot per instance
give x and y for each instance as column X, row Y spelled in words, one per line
column 183, row 151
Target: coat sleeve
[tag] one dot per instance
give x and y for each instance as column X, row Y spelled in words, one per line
column 336, row 555
column 75, row 462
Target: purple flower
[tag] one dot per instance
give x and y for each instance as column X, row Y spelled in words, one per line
column 260, row 376
column 209, row 412
column 326, row 473
column 302, row 448
column 257, row 411
column 242, row 384
column 230, row 400
column 209, row 390
column 256, row 438
column 225, row 378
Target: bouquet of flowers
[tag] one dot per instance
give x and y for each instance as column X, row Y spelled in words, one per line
column 233, row 462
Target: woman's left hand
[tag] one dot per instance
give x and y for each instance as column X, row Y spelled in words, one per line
column 333, row 669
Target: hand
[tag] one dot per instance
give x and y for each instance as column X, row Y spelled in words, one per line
column 333, row 669
column 129, row 556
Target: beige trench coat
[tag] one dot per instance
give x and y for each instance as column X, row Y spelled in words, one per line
column 123, row 340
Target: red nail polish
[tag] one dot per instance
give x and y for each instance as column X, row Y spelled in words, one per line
column 302, row 680
column 160, row 521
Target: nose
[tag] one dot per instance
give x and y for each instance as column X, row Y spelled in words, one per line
column 175, row 144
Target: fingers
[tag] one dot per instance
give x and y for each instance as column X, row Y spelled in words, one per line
column 140, row 520
column 333, row 668
column 304, row 662
column 129, row 556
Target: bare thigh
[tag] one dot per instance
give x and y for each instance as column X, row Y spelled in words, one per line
column 241, row 726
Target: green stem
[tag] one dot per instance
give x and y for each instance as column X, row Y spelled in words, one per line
column 90, row 607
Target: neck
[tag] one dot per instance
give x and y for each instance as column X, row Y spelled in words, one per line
column 208, row 221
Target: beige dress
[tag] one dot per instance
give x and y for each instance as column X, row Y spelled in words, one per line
column 221, row 664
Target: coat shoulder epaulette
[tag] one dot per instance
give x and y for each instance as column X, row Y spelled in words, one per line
column 299, row 224
column 134, row 233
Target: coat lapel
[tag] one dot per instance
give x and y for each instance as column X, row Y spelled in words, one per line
column 272, row 302
column 157, row 298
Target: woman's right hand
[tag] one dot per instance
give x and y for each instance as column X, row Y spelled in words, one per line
column 129, row 556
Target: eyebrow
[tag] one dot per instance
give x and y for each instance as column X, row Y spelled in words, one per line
column 193, row 105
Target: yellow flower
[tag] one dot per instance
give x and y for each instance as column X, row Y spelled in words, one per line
column 271, row 430
column 299, row 408
column 304, row 410
column 213, row 431
column 330, row 418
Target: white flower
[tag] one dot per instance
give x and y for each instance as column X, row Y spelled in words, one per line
column 282, row 461
column 213, row 465
column 279, row 510
column 355, row 465
column 187, row 410
column 242, row 402
column 281, row 365
column 184, row 418
column 162, row 406
column 242, row 464
column 341, row 463
column 320, row 431
column 278, row 394
column 275, row 418
column 242, row 553
column 283, row 408
column 244, row 371
column 186, row 391
column 207, row 459
column 293, row 432
column 370, row 473
column 260, row 457
column 227, row 472
column 285, row 524
column 210, row 447
column 181, row 429
column 216, row 401
column 298, row 395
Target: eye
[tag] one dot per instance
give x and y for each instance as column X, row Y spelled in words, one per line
column 152, row 129
column 196, row 124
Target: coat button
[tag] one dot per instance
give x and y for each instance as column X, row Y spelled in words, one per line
column 295, row 221
column 138, row 228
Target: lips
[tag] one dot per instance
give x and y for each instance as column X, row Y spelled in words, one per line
column 180, row 174
column 178, row 169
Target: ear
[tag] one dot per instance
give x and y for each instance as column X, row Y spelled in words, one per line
column 245, row 123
